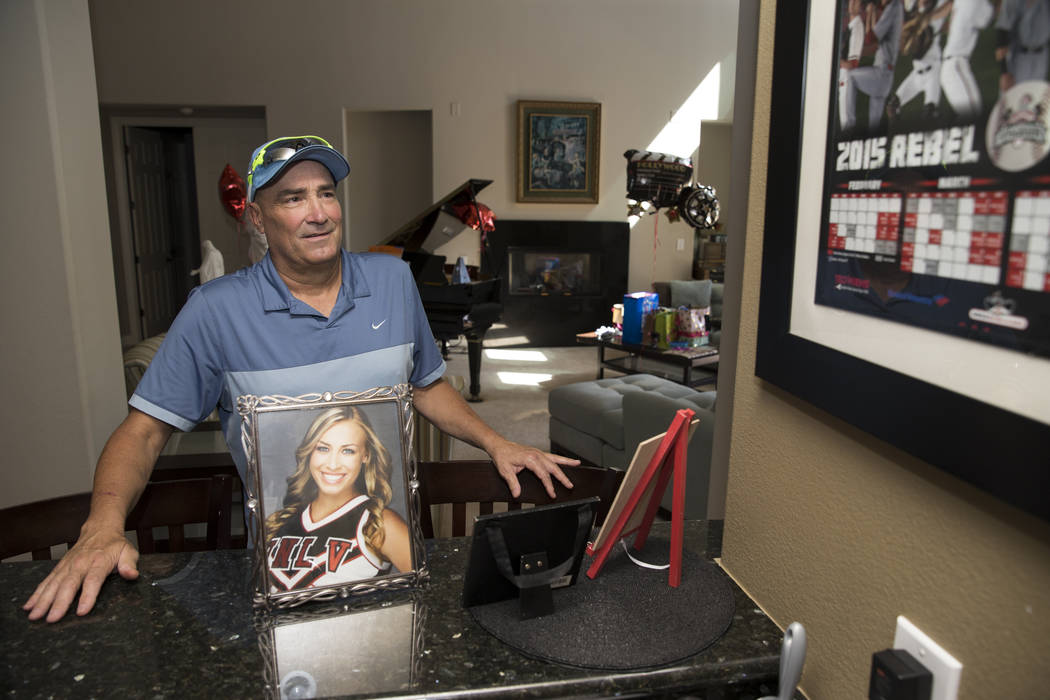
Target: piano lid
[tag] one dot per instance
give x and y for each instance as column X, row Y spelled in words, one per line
column 437, row 224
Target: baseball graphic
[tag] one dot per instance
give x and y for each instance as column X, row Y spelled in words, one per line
column 1018, row 133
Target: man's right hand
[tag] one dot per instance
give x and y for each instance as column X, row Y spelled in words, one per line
column 84, row 568
column 122, row 472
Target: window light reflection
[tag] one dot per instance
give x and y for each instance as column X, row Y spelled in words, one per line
column 516, row 355
column 523, row 378
column 515, row 340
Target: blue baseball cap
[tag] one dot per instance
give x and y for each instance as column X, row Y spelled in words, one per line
column 270, row 160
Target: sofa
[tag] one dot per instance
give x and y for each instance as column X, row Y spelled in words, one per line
column 602, row 421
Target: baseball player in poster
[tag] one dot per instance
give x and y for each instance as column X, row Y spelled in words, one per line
column 852, row 46
column 1022, row 37
column 968, row 18
column 876, row 80
column 921, row 39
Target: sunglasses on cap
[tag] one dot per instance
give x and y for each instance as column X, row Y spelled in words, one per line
column 282, row 149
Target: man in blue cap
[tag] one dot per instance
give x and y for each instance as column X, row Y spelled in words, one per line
column 309, row 317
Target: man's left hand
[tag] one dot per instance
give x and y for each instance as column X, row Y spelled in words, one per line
column 510, row 458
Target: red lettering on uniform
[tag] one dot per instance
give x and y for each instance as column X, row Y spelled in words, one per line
column 338, row 551
column 301, row 562
column 281, row 552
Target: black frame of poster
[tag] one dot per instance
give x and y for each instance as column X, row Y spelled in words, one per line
column 996, row 450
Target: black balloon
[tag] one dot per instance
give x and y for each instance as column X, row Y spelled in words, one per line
column 656, row 177
column 699, row 206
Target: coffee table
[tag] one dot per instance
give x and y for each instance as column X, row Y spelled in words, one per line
column 685, row 366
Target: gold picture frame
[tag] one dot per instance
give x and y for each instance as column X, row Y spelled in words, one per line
column 559, row 151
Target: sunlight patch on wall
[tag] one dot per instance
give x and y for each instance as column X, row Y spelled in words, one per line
column 681, row 135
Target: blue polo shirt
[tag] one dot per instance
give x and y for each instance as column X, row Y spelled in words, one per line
column 245, row 333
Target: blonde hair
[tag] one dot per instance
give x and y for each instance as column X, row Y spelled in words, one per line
column 373, row 481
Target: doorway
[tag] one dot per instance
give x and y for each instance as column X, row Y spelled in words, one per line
column 165, row 232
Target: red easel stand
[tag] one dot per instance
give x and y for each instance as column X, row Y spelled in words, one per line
column 670, row 457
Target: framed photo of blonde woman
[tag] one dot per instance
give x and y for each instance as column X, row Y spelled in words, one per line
column 332, row 494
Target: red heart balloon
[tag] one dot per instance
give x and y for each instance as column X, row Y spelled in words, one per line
column 232, row 192
column 475, row 215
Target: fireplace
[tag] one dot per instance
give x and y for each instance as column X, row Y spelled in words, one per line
column 559, row 278
column 540, row 272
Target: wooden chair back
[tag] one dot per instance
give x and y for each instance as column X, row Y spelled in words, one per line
column 205, row 465
column 35, row 527
column 468, row 481
column 175, row 504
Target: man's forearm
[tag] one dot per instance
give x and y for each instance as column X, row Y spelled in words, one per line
column 445, row 408
column 124, row 468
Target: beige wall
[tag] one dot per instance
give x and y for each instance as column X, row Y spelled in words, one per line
column 60, row 366
column 841, row 532
column 360, row 55
column 216, row 143
column 390, row 172
column 714, row 167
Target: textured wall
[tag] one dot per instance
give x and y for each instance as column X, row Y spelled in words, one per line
column 835, row 529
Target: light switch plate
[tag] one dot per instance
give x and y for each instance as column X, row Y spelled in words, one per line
column 945, row 668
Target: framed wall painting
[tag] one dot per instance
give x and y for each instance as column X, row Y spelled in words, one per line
column 558, row 151
column 333, row 495
column 886, row 378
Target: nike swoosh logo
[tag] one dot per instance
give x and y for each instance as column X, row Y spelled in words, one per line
column 375, row 326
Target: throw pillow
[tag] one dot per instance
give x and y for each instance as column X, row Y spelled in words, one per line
column 692, row 293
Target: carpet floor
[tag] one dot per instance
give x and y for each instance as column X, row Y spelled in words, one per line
column 514, row 387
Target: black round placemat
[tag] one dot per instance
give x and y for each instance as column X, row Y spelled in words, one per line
column 626, row 618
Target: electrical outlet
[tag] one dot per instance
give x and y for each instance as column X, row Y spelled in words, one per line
column 679, row 244
column 945, row 668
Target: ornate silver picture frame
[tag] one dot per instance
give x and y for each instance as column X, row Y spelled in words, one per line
column 333, row 495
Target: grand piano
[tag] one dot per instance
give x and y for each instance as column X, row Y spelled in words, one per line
column 468, row 308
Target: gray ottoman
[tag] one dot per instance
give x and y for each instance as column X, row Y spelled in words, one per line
column 601, row 422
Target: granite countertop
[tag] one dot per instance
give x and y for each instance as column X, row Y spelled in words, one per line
column 186, row 628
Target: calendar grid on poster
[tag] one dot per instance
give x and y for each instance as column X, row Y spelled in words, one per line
column 1027, row 267
column 956, row 235
column 865, row 223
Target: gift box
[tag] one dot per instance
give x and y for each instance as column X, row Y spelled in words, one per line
column 664, row 326
column 691, row 325
column 637, row 314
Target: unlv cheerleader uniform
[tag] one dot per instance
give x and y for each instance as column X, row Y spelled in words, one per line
column 331, row 551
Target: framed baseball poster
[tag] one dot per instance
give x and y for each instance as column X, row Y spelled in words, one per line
column 905, row 286
column 936, row 197
column 333, row 494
